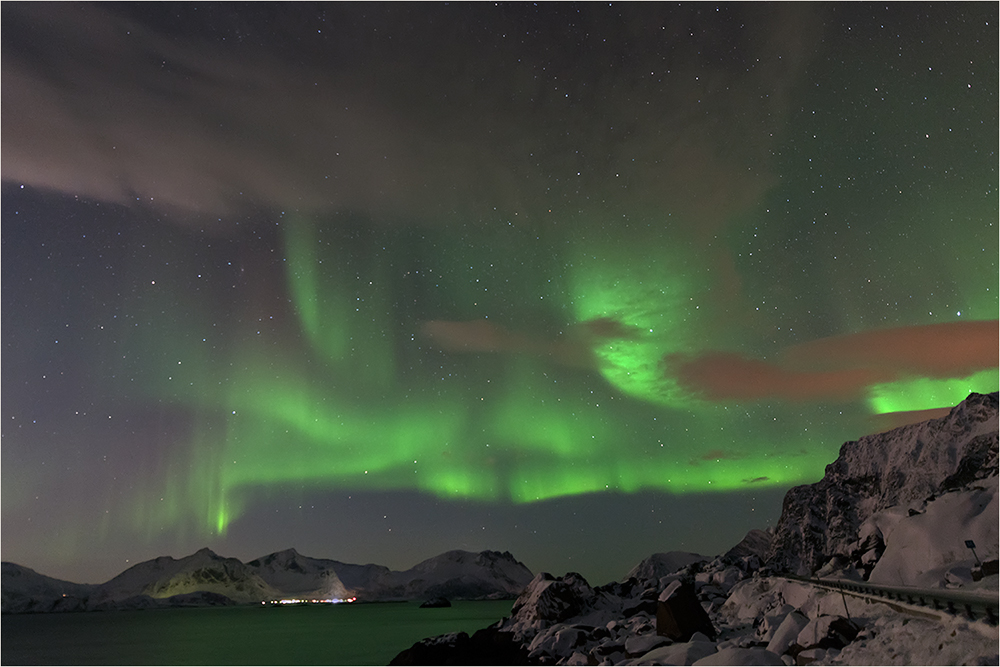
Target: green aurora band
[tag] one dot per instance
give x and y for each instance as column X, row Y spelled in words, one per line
column 350, row 407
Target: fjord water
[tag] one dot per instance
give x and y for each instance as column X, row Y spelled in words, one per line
column 345, row 634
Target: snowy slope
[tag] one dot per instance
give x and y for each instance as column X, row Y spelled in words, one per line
column 662, row 564
column 26, row 590
column 464, row 575
column 901, row 466
column 298, row 576
column 927, row 548
column 204, row 570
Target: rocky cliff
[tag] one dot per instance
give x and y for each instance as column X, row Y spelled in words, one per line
column 905, row 465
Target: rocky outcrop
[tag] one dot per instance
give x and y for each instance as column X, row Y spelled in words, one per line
column 566, row 620
column 435, row 603
column 910, row 463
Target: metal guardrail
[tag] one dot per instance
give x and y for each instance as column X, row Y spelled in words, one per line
column 975, row 606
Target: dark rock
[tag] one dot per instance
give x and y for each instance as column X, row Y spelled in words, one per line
column 436, row 602
column 679, row 614
column 827, row 632
column 644, row 607
column 450, row 649
column 488, row 646
column 608, row 653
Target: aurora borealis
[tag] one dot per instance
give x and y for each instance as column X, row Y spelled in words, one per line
column 582, row 282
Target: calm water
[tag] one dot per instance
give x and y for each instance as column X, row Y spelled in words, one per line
column 358, row 634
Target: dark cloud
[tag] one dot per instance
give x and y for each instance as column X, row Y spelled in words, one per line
column 842, row 367
column 950, row 349
column 98, row 103
column 725, row 376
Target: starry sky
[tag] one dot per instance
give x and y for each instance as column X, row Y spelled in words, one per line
column 582, row 282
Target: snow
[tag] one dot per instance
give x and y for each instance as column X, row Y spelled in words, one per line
column 922, row 549
column 892, row 639
column 741, row 656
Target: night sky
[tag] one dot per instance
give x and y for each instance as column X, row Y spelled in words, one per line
column 582, row 282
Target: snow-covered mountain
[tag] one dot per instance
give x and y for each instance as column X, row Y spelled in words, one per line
column 24, row 590
column 906, row 466
column 203, row 571
column 465, row 575
column 205, row 578
column 298, row 576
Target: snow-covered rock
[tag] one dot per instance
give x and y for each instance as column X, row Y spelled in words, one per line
column 827, row 631
column 787, row 632
column 686, row 653
column 642, row 644
column 876, row 472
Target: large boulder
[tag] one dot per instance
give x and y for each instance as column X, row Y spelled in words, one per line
column 679, row 614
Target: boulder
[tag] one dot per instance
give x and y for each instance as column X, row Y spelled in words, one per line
column 827, row 632
column 811, row 655
column 787, row 632
column 642, row 644
column 770, row 622
column 679, row 614
column 436, row 602
column 686, row 653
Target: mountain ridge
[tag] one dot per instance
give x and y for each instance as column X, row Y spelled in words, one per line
column 205, row 577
